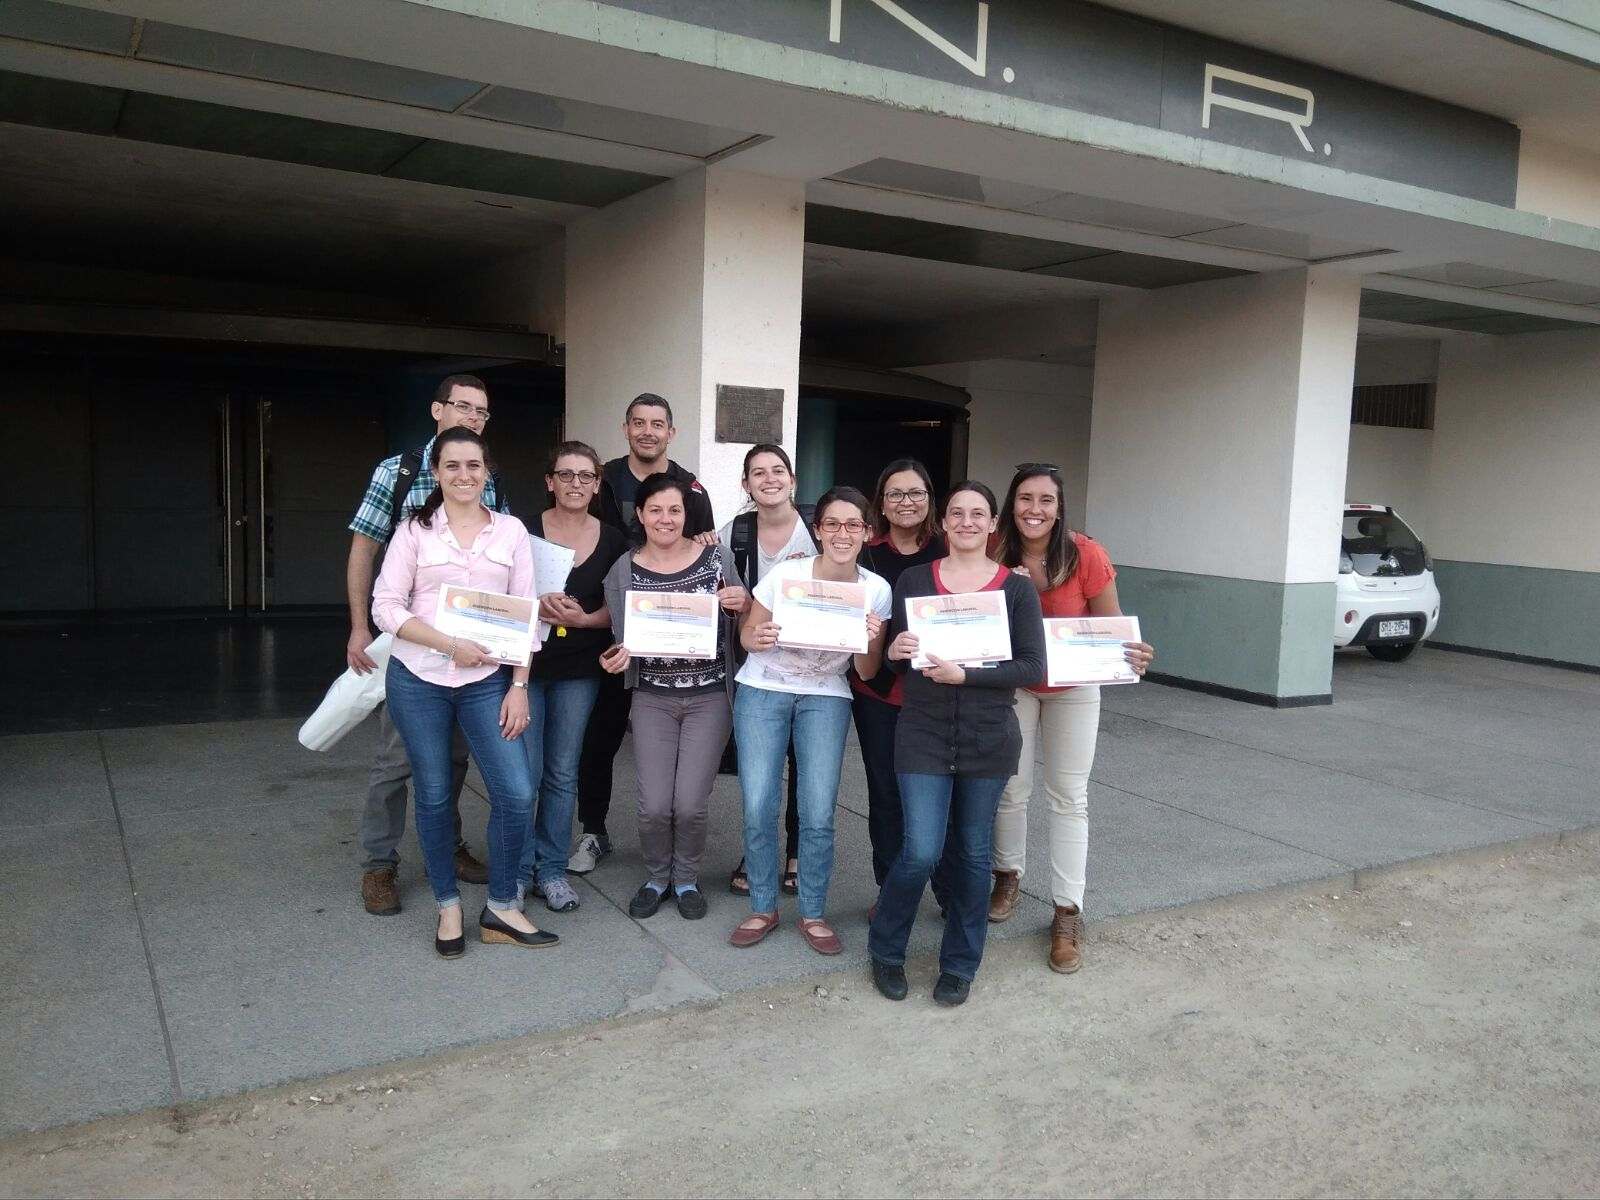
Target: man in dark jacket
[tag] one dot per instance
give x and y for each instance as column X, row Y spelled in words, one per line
column 647, row 425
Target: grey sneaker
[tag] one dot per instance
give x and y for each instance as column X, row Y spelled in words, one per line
column 559, row 896
column 588, row 854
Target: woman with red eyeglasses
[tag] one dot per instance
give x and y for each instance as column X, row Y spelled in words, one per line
column 792, row 693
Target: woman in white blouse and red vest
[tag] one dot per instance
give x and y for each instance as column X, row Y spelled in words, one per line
column 436, row 681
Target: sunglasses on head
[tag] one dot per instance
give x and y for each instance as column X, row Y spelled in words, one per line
column 1050, row 467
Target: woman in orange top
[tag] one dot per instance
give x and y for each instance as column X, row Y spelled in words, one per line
column 1074, row 577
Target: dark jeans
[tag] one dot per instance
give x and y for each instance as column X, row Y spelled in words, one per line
column 558, row 713
column 875, row 724
column 608, row 725
column 425, row 714
column 962, row 806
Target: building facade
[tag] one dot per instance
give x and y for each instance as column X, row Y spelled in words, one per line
column 1162, row 243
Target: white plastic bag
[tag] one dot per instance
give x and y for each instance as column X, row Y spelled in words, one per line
column 349, row 701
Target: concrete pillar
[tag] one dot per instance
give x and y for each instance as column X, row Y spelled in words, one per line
column 692, row 284
column 1216, row 473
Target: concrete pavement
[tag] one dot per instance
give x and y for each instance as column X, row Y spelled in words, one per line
column 192, row 928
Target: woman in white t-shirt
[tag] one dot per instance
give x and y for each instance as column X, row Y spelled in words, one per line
column 788, row 692
column 772, row 531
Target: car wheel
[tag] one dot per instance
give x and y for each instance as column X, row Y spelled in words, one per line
column 1392, row 652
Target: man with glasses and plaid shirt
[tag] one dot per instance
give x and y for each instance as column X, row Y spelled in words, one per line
column 389, row 499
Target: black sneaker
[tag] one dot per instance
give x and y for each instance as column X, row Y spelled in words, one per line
column 951, row 990
column 692, row 904
column 645, row 902
column 891, row 981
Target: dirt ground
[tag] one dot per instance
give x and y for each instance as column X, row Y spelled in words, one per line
column 1435, row 1033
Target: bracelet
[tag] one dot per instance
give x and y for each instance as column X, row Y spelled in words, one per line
column 452, row 649
column 523, row 685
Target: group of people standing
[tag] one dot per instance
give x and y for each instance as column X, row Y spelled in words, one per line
column 948, row 751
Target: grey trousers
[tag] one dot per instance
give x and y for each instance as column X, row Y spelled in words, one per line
column 383, row 820
column 677, row 744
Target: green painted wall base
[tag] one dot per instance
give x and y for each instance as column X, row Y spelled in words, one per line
column 1267, row 642
column 1529, row 612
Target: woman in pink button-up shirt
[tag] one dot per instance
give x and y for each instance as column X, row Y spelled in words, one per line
column 436, row 681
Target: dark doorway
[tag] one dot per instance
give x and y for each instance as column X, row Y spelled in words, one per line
column 207, row 478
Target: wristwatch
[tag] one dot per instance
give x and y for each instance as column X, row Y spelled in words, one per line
column 521, row 684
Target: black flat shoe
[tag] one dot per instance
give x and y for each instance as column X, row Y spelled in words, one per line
column 645, row 902
column 951, row 990
column 492, row 931
column 891, row 981
column 450, row 947
column 692, row 904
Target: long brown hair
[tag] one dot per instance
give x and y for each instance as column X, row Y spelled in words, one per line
column 1061, row 548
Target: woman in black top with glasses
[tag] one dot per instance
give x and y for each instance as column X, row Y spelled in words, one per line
column 906, row 536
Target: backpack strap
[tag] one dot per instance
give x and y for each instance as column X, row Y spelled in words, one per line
column 405, row 475
column 744, row 534
column 808, row 517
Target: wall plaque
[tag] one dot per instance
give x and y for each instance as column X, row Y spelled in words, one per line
column 749, row 414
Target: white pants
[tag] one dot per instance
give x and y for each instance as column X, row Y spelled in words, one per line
column 1070, row 722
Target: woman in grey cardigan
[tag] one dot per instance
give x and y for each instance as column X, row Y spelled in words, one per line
column 956, row 745
column 681, row 706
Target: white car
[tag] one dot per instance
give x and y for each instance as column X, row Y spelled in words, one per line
column 1387, row 599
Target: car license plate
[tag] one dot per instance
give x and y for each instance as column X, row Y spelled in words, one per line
column 1394, row 629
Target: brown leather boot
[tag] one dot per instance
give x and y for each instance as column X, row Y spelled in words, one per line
column 379, row 893
column 469, row 869
column 1065, row 931
column 1004, row 897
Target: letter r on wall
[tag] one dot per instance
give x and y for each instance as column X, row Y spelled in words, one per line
column 1294, row 118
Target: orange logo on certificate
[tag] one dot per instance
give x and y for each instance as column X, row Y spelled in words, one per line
column 644, row 604
column 1062, row 631
column 460, row 601
column 928, row 610
column 796, row 592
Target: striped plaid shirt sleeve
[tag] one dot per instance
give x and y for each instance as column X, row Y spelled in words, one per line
column 373, row 517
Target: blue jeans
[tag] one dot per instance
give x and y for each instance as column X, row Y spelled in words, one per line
column 764, row 721
column 426, row 715
column 962, row 806
column 558, row 714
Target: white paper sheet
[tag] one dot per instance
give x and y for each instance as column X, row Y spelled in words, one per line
column 552, row 567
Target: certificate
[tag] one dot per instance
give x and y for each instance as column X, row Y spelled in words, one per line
column 1084, row 650
column 504, row 624
column 670, row 624
column 552, row 565
column 821, row 614
column 966, row 628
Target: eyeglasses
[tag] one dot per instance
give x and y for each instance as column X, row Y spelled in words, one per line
column 471, row 411
column 915, row 495
column 583, row 477
column 1050, row 467
column 833, row 525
